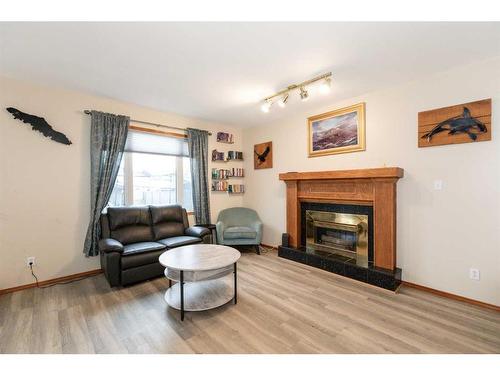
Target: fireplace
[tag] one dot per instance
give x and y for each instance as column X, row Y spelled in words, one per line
column 344, row 222
column 338, row 229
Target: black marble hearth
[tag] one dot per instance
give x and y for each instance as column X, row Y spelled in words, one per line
column 345, row 266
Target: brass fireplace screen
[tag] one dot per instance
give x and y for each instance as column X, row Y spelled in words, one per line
column 340, row 233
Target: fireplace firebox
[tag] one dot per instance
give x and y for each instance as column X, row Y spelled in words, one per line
column 338, row 229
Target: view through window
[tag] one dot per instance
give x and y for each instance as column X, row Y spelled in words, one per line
column 153, row 179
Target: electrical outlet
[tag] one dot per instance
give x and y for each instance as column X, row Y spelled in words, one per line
column 438, row 185
column 30, row 261
column 474, row 274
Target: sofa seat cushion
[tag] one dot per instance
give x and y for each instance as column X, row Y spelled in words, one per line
column 179, row 241
column 141, row 247
column 141, row 253
column 239, row 232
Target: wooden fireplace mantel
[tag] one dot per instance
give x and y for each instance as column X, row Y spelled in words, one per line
column 389, row 172
column 375, row 187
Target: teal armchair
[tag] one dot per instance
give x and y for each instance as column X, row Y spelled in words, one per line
column 239, row 226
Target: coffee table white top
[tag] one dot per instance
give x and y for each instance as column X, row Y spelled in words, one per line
column 200, row 257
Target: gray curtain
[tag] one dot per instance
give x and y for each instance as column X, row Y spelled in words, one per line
column 198, row 153
column 107, row 141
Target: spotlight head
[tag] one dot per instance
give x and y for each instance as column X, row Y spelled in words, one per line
column 266, row 106
column 282, row 102
column 304, row 95
column 325, row 86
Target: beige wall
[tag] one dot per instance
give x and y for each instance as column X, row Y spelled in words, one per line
column 44, row 186
column 441, row 234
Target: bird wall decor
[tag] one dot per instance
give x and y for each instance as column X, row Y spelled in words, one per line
column 39, row 124
column 263, row 155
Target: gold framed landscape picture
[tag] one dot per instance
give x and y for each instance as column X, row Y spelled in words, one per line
column 336, row 132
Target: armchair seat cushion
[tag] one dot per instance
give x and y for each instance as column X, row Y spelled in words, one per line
column 239, row 232
column 179, row 241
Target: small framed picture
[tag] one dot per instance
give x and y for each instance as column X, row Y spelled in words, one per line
column 339, row 131
column 263, row 155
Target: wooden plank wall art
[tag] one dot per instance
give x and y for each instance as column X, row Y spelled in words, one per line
column 462, row 123
column 263, row 155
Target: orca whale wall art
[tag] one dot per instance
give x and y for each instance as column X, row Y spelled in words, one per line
column 463, row 123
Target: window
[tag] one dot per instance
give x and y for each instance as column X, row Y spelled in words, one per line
column 154, row 170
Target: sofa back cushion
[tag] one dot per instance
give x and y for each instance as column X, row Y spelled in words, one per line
column 168, row 221
column 130, row 224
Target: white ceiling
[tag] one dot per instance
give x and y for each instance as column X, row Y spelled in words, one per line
column 221, row 71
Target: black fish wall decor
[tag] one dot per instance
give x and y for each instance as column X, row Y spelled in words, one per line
column 463, row 123
column 39, row 124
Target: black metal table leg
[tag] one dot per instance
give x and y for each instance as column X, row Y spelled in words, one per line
column 169, row 283
column 235, row 286
column 182, row 295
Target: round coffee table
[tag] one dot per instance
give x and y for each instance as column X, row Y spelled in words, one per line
column 199, row 271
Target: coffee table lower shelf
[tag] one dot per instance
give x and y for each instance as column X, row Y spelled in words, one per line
column 201, row 295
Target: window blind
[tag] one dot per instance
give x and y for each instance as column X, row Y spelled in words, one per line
column 138, row 141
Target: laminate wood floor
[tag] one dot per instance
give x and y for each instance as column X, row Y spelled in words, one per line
column 283, row 307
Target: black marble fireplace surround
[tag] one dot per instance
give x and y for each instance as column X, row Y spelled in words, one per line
column 339, row 264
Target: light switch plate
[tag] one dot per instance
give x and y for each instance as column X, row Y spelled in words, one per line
column 474, row 274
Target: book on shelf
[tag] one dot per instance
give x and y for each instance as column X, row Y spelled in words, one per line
column 230, row 188
column 231, row 155
column 222, row 174
column 220, row 185
column 236, row 189
column 225, row 137
column 217, row 156
column 234, row 155
column 236, row 172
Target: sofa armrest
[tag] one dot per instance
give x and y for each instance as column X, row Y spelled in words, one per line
column 197, row 231
column 108, row 245
column 110, row 263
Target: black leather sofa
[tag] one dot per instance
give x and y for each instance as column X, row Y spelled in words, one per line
column 133, row 238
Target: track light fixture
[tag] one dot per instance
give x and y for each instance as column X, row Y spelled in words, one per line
column 266, row 106
column 283, row 95
column 282, row 102
column 325, row 86
column 304, row 95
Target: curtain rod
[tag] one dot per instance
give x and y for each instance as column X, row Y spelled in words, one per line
column 87, row 112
